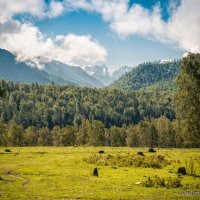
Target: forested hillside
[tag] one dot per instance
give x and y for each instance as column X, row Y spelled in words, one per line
column 62, row 115
column 34, row 114
column 148, row 74
column 50, row 105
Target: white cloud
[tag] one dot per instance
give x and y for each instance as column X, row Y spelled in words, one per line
column 79, row 49
column 184, row 26
column 56, row 9
column 182, row 29
column 8, row 8
column 79, row 4
column 9, row 26
column 30, row 45
column 139, row 20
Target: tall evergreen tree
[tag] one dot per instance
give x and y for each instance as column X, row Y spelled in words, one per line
column 2, row 92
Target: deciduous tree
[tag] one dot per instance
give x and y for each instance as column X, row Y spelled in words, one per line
column 188, row 100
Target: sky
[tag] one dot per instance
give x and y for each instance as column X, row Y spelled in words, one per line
column 96, row 32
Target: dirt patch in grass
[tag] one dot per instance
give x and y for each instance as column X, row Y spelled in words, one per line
column 9, row 173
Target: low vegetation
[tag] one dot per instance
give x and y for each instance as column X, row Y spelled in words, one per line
column 170, row 182
column 61, row 173
column 192, row 167
column 154, row 161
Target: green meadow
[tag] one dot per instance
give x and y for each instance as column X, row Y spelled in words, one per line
column 64, row 173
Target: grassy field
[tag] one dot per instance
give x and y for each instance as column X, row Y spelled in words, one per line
column 62, row 173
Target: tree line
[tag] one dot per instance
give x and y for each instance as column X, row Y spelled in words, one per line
column 159, row 132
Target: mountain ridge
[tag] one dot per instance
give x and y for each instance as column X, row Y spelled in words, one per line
column 10, row 69
column 148, row 74
column 54, row 71
column 105, row 74
column 73, row 74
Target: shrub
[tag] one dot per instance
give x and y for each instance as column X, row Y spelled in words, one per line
column 192, row 168
column 155, row 161
column 174, row 182
column 7, row 150
column 163, row 182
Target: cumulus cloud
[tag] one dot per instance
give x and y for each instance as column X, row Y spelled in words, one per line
column 30, row 45
column 27, row 42
column 182, row 28
column 9, row 8
column 56, row 9
column 140, row 21
column 79, row 49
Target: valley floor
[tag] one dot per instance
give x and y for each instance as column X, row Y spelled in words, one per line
column 61, row 173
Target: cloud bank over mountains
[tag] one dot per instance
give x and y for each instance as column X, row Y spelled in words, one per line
column 181, row 29
column 30, row 45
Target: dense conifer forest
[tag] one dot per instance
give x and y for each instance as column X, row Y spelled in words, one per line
column 148, row 74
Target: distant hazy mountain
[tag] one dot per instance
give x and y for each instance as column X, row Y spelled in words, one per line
column 10, row 69
column 105, row 74
column 72, row 74
column 148, row 74
column 116, row 74
column 54, row 71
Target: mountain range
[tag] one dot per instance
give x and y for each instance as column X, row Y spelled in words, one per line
column 104, row 74
column 15, row 71
column 72, row 74
column 57, row 72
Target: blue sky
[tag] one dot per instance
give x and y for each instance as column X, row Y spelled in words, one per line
column 89, row 32
column 121, row 51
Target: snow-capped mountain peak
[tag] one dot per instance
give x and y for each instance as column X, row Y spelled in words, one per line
column 105, row 74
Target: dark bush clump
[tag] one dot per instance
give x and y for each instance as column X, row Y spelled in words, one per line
column 95, row 172
column 140, row 153
column 181, row 171
column 7, row 150
column 152, row 150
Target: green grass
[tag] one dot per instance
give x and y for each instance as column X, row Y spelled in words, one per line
column 62, row 173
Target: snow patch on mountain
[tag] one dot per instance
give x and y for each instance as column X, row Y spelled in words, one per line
column 105, row 74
